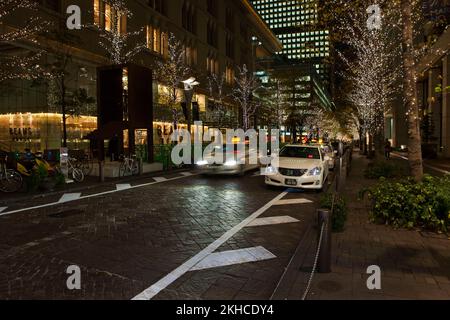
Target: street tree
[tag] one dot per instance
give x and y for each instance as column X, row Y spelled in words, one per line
column 244, row 94
column 171, row 70
column 20, row 65
column 217, row 92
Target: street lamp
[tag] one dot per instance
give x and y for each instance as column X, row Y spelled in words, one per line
column 189, row 85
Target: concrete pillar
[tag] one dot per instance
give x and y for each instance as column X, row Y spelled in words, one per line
column 446, row 106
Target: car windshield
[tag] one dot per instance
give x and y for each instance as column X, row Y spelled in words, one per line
column 300, row 152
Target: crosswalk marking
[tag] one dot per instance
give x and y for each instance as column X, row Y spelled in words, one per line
column 159, row 179
column 123, row 186
column 227, row 258
column 292, row 201
column 271, row 220
column 69, row 197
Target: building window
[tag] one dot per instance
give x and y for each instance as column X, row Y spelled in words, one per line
column 229, row 46
column 229, row 75
column 188, row 17
column 211, row 33
column 190, row 55
column 212, row 64
column 159, row 6
column 229, row 20
column 50, row 4
column 108, row 18
column 211, row 6
column 157, row 40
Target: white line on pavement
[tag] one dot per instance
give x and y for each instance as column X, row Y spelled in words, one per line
column 3, row 209
column 163, row 283
column 292, row 201
column 159, row 179
column 90, row 196
column 187, row 174
column 231, row 257
column 67, row 197
column 123, row 186
column 271, row 220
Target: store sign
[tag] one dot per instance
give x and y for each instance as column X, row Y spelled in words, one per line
column 64, row 161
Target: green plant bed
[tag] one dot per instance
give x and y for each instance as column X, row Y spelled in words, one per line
column 406, row 204
column 386, row 168
column 339, row 214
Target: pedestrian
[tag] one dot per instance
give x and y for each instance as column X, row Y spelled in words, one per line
column 387, row 149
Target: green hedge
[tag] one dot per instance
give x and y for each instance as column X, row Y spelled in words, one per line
column 339, row 215
column 405, row 203
column 386, row 169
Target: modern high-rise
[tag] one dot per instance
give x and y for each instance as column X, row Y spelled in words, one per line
column 296, row 24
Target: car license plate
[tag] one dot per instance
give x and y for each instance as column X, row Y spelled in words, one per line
column 291, row 182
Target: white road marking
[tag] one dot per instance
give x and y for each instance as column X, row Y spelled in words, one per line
column 271, row 220
column 292, row 201
column 163, row 283
column 3, row 209
column 66, row 197
column 88, row 196
column 425, row 165
column 228, row 258
column 186, row 174
column 123, row 186
column 159, row 179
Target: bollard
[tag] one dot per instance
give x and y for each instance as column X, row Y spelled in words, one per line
column 101, row 171
column 324, row 258
column 140, row 166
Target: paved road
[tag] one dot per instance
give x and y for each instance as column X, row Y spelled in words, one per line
column 169, row 238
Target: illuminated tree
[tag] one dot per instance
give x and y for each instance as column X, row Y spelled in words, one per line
column 244, row 94
column 120, row 45
column 20, row 65
column 216, row 88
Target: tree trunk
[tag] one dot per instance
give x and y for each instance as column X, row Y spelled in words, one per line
column 409, row 88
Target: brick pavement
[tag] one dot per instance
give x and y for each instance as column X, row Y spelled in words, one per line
column 414, row 265
column 126, row 241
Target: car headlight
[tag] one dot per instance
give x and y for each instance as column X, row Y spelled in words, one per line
column 315, row 171
column 231, row 163
column 202, row 163
column 270, row 170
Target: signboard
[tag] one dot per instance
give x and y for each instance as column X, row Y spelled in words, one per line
column 64, row 161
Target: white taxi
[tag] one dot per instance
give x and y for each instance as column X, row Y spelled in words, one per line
column 299, row 166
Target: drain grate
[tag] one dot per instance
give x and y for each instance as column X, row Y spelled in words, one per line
column 66, row 213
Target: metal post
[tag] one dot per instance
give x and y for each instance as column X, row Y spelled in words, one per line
column 101, row 171
column 324, row 259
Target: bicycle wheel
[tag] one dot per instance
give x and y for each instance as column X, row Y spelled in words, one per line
column 10, row 181
column 87, row 166
column 77, row 175
column 123, row 170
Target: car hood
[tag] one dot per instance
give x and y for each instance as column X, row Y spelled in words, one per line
column 296, row 163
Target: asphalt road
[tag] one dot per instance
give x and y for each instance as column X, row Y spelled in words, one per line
column 181, row 235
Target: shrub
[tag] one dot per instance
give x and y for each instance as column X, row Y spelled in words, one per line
column 339, row 214
column 405, row 203
column 386, row 169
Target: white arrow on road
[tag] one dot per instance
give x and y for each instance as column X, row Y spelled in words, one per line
column 69, row 197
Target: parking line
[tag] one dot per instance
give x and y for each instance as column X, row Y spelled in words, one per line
column 67, row 197
column 123, row 186
column 3, row 209
column 271, row 221
column 51, row 204
column 163, row 283
column 292, row 201
column 159, row 179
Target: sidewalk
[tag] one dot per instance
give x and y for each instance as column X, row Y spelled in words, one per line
column 414, row 265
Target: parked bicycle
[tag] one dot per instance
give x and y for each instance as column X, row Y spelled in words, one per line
column 85, row 163
column 129, row 166
column 74, row 171
column 10, row 180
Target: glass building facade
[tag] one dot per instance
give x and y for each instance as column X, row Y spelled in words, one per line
column 295, row 22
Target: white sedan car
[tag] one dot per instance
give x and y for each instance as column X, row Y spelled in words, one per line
column 299, row 166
